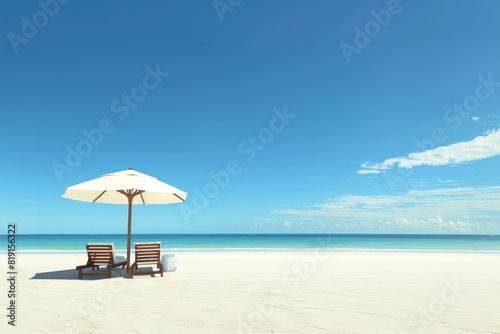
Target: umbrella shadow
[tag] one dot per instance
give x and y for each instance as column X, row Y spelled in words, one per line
column 72, row 274
column 144, row 272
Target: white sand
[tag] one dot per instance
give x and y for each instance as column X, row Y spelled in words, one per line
column 266, row 292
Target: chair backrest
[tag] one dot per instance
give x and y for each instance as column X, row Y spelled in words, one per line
column 147, row 252
column 100, row 254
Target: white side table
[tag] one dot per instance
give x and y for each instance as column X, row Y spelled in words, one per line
column 169, row 262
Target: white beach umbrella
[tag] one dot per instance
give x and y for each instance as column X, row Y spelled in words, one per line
column 126, row 187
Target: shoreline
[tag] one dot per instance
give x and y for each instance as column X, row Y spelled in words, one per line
column 75, row 244
column 260, row 250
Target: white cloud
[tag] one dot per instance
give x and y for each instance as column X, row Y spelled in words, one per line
column 368, row 171
column 434, row 223
column 481, row 147
column 453, row 209
column 475, row 119
column 450, row 181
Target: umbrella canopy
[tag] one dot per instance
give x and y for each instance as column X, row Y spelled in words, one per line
column 126, row 187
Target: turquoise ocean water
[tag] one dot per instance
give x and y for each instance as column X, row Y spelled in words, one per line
column 75, row 243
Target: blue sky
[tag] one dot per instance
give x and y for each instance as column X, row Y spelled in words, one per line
column 275, row 117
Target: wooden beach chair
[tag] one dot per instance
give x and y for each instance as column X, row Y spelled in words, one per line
column 147, row 253
column 101, row 255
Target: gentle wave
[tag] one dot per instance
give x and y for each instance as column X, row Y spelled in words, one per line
column 75, row 244
column 271, row 249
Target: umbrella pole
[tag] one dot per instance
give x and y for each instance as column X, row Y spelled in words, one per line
column 130, row 198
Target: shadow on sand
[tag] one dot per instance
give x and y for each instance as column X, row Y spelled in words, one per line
column 72, row 274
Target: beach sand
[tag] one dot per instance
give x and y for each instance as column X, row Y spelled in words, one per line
column 264, row 292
